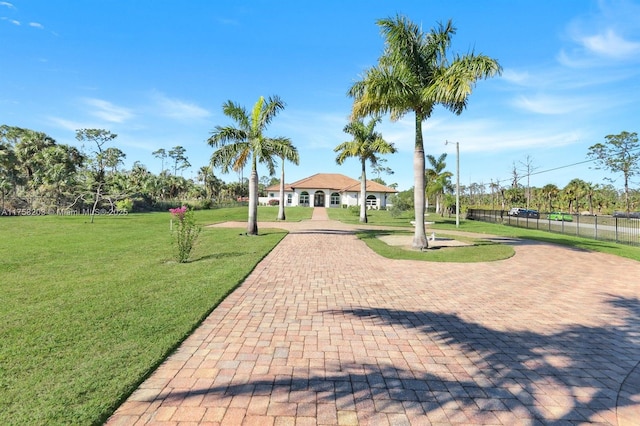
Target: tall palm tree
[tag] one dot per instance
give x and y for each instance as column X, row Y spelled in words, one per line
column 413, row 75
column 573, row 192
column 438, row 181
column 286, row 151
column 246, row 143
column 550, row 192
column 366, row 145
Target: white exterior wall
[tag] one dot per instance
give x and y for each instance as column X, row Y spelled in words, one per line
column 346, row 198
column 350, row 198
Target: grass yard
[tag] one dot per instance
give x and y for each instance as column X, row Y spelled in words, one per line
column 265, row 214
column 374, row 217
column 479, row 251
column 483, row 252
column 88, row 310
column 474, row 226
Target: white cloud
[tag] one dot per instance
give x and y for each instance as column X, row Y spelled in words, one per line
column 177, row 109
column 610, row 44
column 7, row 4
column 610, row 32
column 107, row 111
column 478, row 135
column 545, row 104
column 69, row 124
column 13, row 21
column 516, row 77
column 36, row 25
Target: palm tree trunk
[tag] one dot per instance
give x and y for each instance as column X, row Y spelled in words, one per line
column 252, row 223
column 363, row 193
column 281, row 206
column 419, row 236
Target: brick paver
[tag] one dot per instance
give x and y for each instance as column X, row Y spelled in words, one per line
column 326, row 332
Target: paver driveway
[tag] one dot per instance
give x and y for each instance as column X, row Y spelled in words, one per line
column 324, row 331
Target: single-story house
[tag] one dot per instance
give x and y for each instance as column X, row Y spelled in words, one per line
column 330, row 190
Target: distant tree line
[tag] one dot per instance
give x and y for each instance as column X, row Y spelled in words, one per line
column 39, row 174
column 619, row 154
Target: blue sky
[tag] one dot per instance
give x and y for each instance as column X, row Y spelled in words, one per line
column 157, row 72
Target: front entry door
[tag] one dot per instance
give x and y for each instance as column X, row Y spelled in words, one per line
column 318, row 199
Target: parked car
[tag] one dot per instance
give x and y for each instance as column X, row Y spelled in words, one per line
column 520, row 212
column 533, row 214
column 630, row 215
column 566, row 217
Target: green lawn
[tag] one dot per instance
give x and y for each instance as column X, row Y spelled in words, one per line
column 374, row 217
column 621, row 250
column 488, row 252
column 89, row 309
column 479, row 250
column 265, row 214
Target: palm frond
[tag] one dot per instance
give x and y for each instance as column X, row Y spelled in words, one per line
column 231, row 157
column 236, row 112
column 224, row 135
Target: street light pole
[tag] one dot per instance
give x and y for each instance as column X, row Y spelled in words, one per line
column 457, row 182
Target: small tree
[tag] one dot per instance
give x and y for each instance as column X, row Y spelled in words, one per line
column 180, row 161
column 619, row 154
column 161, row 154
column 99, row 162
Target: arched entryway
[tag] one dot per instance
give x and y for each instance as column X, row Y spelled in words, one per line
column 318, row 199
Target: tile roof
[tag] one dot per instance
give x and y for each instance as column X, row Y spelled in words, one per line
column 333, row 181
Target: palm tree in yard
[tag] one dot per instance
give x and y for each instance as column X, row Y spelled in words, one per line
column 286, row 151
column 366, row 145
column 438, row 181
column 414, row 75
column 237, row 146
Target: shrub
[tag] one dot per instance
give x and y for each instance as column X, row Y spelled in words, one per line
column 125, row 205
column 274, row 202
column 185, row 232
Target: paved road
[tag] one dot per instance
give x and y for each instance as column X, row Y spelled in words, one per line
column 326, row 332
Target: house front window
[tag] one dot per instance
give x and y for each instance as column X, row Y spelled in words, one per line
column 289, row 199
column 372, row 201
column 335, row 199
column 304, row 198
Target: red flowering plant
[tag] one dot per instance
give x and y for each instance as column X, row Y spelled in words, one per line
column 179, row 212
column 185, row 232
